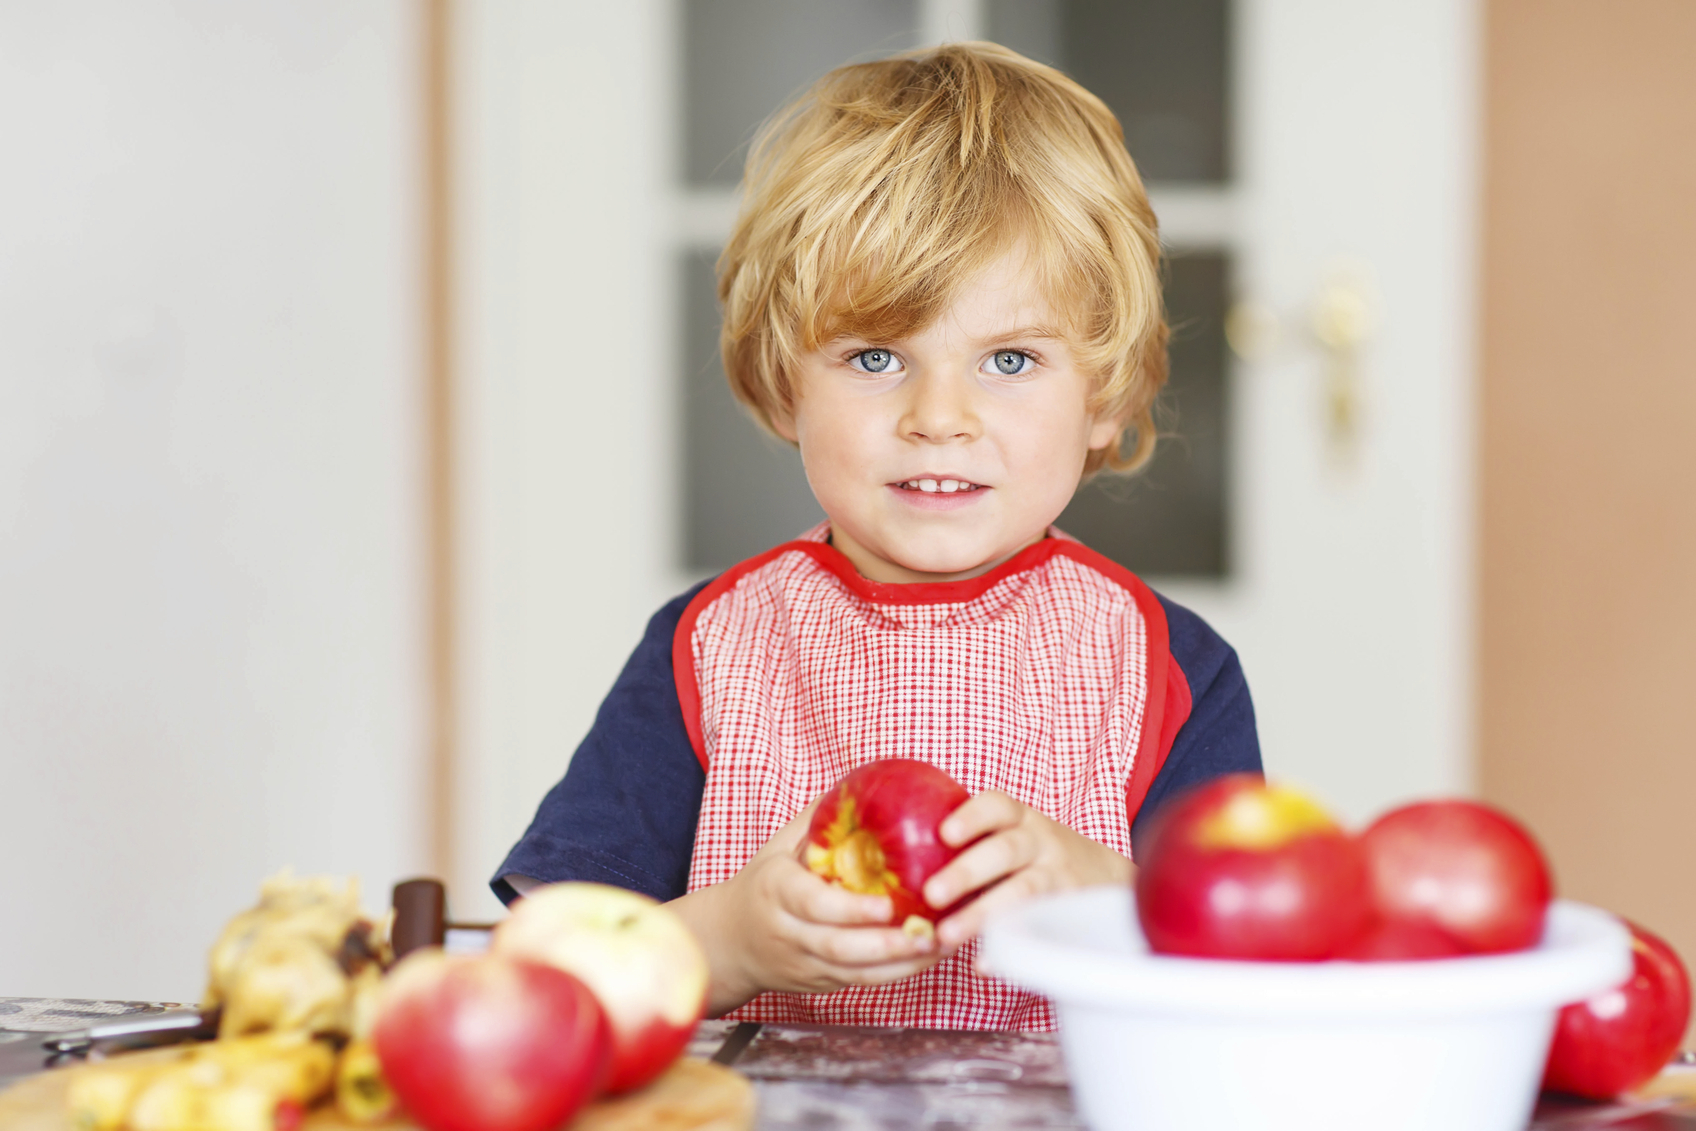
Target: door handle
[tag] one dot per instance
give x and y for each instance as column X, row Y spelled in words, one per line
column 1339, row 320
column 1343, row 317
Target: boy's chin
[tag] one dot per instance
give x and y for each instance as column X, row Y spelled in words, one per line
column 950, row 563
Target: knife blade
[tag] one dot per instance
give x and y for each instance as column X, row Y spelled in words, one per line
column 24, row 1053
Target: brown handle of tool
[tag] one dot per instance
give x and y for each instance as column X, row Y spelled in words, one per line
column 421, row 915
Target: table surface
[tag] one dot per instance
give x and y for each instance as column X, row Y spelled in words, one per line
column 877, row 1079
column 820, row 1076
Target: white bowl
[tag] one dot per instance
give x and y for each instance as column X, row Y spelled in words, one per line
column 1156, row 1043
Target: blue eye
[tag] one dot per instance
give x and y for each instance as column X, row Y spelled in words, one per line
column 875, row 361
column 1011, row 363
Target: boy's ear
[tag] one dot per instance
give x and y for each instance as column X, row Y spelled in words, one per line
column 782, row 422
column 1104, row 431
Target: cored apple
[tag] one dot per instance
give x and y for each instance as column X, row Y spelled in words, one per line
column 1240, row 869
column 1462, row 868
column 635, row 954
column 489, row 1042
column 1622, row 1037
column 876, row 833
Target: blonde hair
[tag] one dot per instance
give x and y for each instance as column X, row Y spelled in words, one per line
column 872, row 199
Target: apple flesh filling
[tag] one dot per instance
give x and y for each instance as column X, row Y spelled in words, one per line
column 852, row 857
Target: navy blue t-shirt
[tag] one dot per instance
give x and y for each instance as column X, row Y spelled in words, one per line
column 625, row 812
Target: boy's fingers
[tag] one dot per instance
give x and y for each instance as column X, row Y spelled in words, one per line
column 823, row 977
column 809, row 898
column 788, row 839
column 983, row 813
column 877, row 975
column 965, row 924
column 985, row 862
column 861, row 947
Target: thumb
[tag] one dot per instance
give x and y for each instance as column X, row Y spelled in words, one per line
column 788, row 839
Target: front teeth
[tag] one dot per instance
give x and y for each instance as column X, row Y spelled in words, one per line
column 932, row 486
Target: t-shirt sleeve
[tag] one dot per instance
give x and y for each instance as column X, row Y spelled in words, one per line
column 1219, row 736
column 625, row 812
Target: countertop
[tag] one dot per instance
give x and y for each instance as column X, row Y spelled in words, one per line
column 819, row 1077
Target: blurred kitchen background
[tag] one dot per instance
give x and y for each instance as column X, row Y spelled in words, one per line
column 359, row 401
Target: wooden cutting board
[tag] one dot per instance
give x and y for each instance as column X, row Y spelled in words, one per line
column 693, row 1095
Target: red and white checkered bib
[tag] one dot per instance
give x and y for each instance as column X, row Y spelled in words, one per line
column 1046, row 678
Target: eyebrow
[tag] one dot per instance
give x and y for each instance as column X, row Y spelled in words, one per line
column 1034, row 331
column 1027, row 332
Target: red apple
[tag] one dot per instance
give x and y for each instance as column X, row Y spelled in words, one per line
column 1622, row 1037
column 875, row 833
column 1239, row 869
column 635, row 954
column 1400, row 942
column 1465, row 869
column 489, row 1043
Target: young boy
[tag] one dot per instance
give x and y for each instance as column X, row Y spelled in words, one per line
column 944, row 288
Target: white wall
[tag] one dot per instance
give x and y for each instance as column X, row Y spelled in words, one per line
column 210, row 518
column 565, row 389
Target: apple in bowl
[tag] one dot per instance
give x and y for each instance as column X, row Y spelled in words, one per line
column 1457, row 870
column 1241, row 869
column 877, row 832
column 636, row 954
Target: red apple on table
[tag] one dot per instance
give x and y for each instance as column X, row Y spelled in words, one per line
column 1619, row 1039
column 1460, row 868
column 876, row 833
column 489, row 1043
column 1240, row 869
column 635, row 954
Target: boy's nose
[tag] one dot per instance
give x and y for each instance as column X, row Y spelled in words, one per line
column 939, row 409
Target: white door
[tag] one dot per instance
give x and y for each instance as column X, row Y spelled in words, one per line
column 597, row 191
column 1351, row 603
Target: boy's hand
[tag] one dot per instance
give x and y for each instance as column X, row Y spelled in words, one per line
column 776, row 926
column 1023, row 853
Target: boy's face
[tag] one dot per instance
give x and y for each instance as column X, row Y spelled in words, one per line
column 988, row 397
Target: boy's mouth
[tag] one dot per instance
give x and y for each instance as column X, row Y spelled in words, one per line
column 938, row 486
column 939, row 492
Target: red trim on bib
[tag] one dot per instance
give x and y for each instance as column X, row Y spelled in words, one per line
column 683, row 642
column 1168, row 705
column 1166, row 709
column 837, row 563
column 923, row 592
